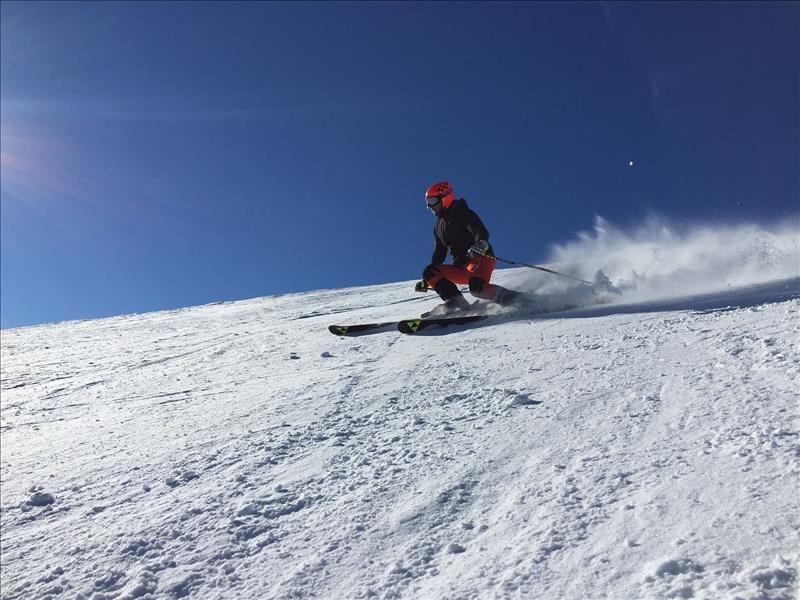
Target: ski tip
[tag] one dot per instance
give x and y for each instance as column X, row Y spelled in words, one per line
column 409, row 326
column 338, row 329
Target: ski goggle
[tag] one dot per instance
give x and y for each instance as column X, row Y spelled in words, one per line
column 432, row 201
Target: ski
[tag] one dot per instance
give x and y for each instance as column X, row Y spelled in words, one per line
column 360, row 328
column 412, row 326
column 404, row 326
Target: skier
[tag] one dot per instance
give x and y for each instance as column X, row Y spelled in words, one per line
column 459, row 230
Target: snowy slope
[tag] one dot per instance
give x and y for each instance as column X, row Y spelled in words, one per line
column 239, row 450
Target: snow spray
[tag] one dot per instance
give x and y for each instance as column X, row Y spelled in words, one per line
column 658, row 260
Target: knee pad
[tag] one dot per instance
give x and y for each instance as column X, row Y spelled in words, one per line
column 476, row 285
column 430, row 272
column 446, row 289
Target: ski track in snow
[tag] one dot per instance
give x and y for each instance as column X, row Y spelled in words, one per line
column 239, row 450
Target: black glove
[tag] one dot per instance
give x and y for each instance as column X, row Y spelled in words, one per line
column 421, row 286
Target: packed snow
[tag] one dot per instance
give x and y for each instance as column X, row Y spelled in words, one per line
column 637, row 441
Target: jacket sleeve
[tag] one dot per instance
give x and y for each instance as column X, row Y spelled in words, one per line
column 476, row 227
column 439, row 250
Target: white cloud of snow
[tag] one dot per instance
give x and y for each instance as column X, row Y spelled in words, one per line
column 658, row 259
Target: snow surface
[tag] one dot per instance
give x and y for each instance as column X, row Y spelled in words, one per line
column 239, row 450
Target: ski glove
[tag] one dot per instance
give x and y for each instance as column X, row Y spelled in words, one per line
column 479, row 248
column 421, row 286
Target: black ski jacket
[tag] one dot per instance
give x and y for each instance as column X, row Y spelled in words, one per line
column 457, row 228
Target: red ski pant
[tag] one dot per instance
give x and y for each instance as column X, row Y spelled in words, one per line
column 475, row 273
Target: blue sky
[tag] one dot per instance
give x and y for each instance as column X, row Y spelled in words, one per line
column 160, row 155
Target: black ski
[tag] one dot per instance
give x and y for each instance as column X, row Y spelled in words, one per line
column 416, row 325
column 360, row 328
column 404, row 326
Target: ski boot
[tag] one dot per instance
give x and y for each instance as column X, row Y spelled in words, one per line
column 453, row 306
column 511, row 298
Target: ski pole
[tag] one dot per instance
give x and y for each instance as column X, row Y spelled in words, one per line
column 522, row 264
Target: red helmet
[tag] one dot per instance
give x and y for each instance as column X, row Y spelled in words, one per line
column 440, row 190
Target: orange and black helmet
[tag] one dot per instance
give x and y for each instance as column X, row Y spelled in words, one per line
column 440, row 191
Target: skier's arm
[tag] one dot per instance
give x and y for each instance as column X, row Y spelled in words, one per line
column 439, row 250
column 476, row 227
column 480, row 234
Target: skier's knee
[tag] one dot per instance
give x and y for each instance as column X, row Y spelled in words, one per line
column 430, row 272
column 476, row 286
